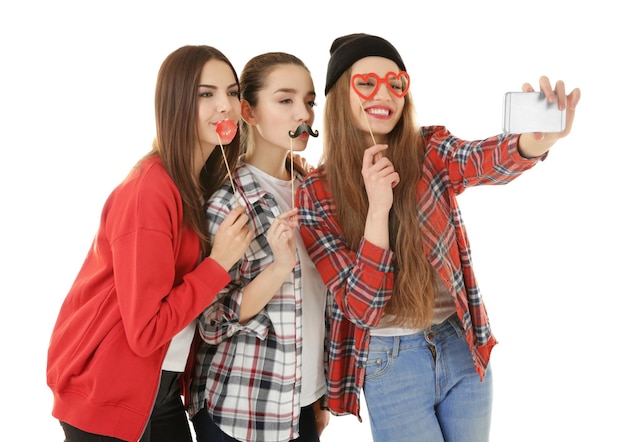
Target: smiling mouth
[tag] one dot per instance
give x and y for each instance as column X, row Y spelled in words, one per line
column 379, row 112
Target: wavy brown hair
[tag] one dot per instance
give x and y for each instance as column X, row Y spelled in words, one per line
column 254, row 79
column 412, row 301
column 175, row 105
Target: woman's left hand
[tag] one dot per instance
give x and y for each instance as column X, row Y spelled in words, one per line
column 302, row 162
column 536, row 144
column 322, row 416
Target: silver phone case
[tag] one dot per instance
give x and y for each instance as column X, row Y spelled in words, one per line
column 526, row 112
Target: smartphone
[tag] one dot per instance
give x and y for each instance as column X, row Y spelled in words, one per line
column 530, row 112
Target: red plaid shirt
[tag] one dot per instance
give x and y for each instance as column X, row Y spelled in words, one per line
column 361, row 282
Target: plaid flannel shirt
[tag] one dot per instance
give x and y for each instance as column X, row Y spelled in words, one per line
column 361, row 282
column 250, row 373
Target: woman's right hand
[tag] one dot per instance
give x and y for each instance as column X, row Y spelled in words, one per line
column 379, row 177
column 281, row 237
column 232, row 238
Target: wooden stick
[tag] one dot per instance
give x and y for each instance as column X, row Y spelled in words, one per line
column 293, row 200
column 232, row 183
column 367, row 122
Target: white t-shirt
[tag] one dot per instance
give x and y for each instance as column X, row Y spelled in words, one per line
column 313, row 297
column 178, row 351
column 444, row 307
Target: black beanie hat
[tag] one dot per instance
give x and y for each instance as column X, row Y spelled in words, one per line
column 350, row 48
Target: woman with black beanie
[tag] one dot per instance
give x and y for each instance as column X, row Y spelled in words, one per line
column 380, row 218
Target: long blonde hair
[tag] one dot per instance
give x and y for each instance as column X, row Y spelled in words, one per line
column 412, row 302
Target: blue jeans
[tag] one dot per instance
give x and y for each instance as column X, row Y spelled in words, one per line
column 424, row 387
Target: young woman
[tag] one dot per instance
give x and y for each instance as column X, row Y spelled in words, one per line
column 124, row 331
column 381, row 221
column 259, row 373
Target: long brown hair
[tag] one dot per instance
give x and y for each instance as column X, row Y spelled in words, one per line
column 176, row 133
column 412, row 302
column 254, row 79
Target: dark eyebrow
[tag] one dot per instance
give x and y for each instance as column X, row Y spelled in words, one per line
column 209, row 86
column 292, row 91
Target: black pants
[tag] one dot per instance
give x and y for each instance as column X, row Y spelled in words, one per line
column 168, row 421
column 208, row 431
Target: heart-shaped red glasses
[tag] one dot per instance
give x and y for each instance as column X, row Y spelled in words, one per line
column 366, row 85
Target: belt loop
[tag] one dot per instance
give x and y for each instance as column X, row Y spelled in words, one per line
column 457, row 325
column 396, row 347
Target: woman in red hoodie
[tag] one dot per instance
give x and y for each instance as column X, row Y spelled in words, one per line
column 123, row 334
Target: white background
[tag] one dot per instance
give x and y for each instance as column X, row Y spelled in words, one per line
column 76, row 102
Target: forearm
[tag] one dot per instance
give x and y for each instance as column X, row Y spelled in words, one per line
column 377, row 228
column 531, row 147
column 261, row 289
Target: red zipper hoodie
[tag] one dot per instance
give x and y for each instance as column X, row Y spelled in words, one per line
column 139, row 285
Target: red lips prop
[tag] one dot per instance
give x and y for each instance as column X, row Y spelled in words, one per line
column 226, row 129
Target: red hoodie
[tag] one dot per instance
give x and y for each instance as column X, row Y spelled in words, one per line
column 139, row 286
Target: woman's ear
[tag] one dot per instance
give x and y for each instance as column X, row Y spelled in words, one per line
column 246, row 113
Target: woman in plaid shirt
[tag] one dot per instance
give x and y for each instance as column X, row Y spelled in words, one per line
column 380, row 219
column 259, row 372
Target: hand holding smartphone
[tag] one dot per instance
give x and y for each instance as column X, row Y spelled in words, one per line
column 526, row 112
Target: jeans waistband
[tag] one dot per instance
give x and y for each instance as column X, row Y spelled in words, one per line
column 452, row 320
column 451, row 325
